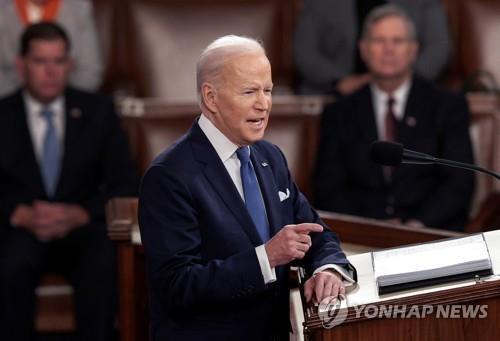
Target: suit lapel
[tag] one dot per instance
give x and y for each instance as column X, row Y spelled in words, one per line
column 365, row 115
column 222, row 183
column 413, row 112
column 73, row 120
column 411, row 122
column 269, row 190
column 28, row 167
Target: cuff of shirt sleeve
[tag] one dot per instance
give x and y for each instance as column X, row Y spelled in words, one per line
column 343, row 272
column 268, row 273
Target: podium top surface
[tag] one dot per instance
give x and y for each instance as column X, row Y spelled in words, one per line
column 366, row 292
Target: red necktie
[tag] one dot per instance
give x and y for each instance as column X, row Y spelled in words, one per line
column 390, row 121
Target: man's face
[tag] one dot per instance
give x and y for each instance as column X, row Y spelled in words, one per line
column 44, row 69
column 388, row 51
column 243, row 98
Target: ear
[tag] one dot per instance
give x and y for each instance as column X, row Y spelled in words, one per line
column 20, row 67
column 209, row 96
column 363, row 49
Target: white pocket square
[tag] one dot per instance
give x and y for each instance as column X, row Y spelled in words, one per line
column 283, row 195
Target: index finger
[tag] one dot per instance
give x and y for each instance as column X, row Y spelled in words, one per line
column 308, row 228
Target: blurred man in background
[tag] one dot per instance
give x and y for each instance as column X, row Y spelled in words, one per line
column 396, row 105
column 63, row 154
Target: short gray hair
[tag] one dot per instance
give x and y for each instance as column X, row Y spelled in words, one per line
column 384, row 11
column 218, row 52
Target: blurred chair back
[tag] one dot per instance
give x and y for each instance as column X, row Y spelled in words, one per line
column 475, row 28
column 484, row 129
column 154, row 44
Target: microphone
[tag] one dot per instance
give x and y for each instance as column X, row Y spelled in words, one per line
column 392, row 154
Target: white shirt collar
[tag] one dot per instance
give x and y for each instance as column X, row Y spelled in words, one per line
column 34, row 107
column 222, row 145
column 37, row 124
column 400, row 96
column 380, row 98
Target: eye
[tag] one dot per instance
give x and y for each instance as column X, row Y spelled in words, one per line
column 377, row 41
column 61, row 61
column 37, row 60
column 399, row 41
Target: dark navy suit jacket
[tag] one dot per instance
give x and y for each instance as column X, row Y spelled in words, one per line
column 96, row 163
column 205, row 279
column 435, row 122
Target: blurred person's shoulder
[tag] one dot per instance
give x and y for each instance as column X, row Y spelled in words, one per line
column 346, row 104
column 93, row 104
column 9, row 100
column 435, row 92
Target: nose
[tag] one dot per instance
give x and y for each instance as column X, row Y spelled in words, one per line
column 391, row 44
column 388, row 44
column 263, row 101
column 50, row 68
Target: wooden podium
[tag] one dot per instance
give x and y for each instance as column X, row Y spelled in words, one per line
column 398, row 316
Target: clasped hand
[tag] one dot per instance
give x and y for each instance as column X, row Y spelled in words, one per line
column 48, row 220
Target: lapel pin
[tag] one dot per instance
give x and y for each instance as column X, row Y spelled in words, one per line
column 264, row 164
column 411, row 121
column 75, row 113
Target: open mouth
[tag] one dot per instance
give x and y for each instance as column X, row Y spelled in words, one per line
column 256, row 121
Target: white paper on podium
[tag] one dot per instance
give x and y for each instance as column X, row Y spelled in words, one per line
column 366, row 290
column 431, row 260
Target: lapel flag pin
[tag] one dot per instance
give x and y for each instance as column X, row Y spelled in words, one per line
column 411, row 121
column 75, row 113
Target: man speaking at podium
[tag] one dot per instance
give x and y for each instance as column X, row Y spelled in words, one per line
column 221, row 219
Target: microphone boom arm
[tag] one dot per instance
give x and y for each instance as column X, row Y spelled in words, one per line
column 392, row 154
column 417, row 158
column 467, row 166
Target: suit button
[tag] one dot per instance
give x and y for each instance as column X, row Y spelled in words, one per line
column 389, row 210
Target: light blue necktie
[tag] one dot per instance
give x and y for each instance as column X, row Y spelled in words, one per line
column 50, row 156
column 253, row 198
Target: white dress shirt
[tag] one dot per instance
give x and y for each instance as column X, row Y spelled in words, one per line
column 227, row 153
column 37, row 124
column 380, row 98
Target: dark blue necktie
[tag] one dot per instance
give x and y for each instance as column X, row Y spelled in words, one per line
column 50, row 156
column 253, row 198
